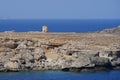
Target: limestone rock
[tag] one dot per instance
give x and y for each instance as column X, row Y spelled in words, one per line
column 99, row 61
column 115, row 62
column 28, row 57
column 39, row 54
column 22, row 46
column 12, row 65
column 56, row 51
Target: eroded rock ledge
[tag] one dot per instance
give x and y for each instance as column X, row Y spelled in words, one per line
column 59, row 51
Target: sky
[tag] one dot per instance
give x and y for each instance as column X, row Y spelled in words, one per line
column 59, row 9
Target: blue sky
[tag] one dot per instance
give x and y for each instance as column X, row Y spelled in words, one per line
column 60, row 9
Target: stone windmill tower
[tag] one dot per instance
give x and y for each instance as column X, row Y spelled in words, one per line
column 44, row 29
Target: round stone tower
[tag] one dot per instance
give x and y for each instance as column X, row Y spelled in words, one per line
column 45, row 29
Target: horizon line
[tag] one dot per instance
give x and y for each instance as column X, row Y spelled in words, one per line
column 61, row 19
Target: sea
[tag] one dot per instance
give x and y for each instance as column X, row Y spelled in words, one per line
column 59, row 25
column 59, row 75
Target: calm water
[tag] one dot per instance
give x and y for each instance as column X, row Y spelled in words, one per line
column 57, row 75
column 58, row 25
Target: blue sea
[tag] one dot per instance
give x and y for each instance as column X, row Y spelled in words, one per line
column 58, row 75
column 59, row 25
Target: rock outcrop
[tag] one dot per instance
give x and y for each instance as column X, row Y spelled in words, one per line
column 59, row 51
column 115, row 30
column 11, row 66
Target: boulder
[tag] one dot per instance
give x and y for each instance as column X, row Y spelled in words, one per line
column 115, row 62
column 1, row 66
column 22, row 46
column 116, row 54
column 80, row 61
column 28, row 57
column 11, row 45
column 39, row 54
column 100, row 61
column 105, row 54
column 30, row 43
column 12, row 65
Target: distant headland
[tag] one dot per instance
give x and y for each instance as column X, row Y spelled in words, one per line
column 26, row 51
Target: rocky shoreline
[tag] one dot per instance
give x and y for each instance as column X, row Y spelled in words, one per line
column 59, row 51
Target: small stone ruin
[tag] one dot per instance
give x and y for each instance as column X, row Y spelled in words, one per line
column 44, row 29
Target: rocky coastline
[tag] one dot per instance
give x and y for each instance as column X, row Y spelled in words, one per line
column 27, row 51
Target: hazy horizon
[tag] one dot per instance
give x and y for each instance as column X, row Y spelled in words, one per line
column 57, row 19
